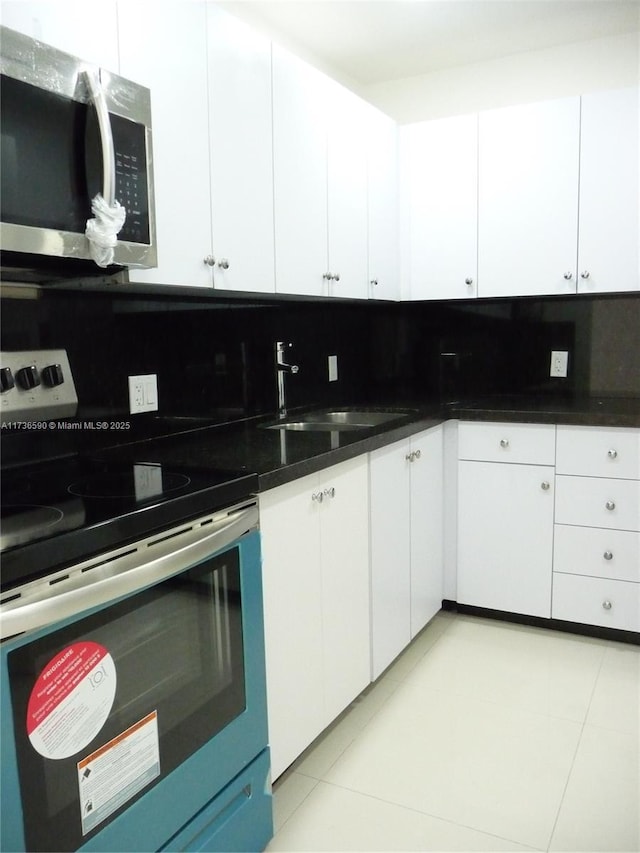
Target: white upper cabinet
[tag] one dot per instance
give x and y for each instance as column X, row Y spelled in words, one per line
column 178, row 83
column 320, row 182
column 347, row 193
column 440, row 188
column 609, row 192
column 528, row 199
column 241, row 151
column 90, row 34
column 300, row 175
column 211, row 111
column 383, row 189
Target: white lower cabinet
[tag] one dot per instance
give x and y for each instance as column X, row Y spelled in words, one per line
column 315, row 544
column 406, row 542
column 505, row 517
column 596, row 568
column 597, row 601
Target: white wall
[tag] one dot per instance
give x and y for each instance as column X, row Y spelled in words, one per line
column 569, row 69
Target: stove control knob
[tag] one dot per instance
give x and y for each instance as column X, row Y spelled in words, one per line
column 7, row 381
column 28, row 377
column 52, row 375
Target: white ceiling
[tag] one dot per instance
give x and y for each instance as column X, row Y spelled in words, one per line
column 371, row 41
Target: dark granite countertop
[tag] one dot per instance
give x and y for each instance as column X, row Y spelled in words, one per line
column 280, row 456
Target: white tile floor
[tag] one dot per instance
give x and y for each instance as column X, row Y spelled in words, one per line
column 483, row 735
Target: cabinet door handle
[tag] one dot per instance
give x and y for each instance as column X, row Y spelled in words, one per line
column 584, row 274
column 545, row 486
column 330, row 493
column 409, row 457
column 210, row 261
column 317, row 496
column 417, row 454
column 606, row 604
column 468, row 281
column 374, row 282
column 612, row 454
column 223, row 264
column 610, row 505
column 568, row 276
column 608, row 555
column 504, row 442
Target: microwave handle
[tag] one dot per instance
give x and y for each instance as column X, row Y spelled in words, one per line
column 106, row 135
column 133, row 578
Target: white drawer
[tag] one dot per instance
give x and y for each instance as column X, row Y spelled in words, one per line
column 529, row 444
column 594, row 601
column 598, row 452
column 594, row 502
column 609, row 554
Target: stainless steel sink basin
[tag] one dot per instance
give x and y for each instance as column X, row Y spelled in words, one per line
column 329, row 420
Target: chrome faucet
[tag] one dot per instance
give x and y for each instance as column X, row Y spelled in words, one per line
column 281, row 369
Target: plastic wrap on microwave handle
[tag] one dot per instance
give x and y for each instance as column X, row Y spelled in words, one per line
column 102, row 231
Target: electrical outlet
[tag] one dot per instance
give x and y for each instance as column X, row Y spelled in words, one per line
column 143, row 393
column 333, row 368
column 559, row 363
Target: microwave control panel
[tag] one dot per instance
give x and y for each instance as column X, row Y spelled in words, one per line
column 36, row 385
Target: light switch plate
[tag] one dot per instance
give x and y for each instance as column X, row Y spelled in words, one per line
column 333, row 368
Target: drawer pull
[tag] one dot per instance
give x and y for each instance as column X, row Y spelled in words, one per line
column 610, row 505
column 545, row 486
column 504, row 442
column 606, row 604
column 612, row 454
column 608, row 555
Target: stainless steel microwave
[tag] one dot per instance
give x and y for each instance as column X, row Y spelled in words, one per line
column 70, row 133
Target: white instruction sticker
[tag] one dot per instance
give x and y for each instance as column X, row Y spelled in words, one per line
column 118, row 770
column 71, row 700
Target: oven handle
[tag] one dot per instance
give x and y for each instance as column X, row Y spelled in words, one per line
column 116, row 583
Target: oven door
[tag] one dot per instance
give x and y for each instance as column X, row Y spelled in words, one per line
column 121, row 724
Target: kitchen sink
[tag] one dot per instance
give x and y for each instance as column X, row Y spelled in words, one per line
column 330, row 419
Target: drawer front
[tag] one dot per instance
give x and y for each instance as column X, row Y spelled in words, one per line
column 594, row 601
column 593, row 502
column 529, row 444
column 609, row 554
column 597, row 452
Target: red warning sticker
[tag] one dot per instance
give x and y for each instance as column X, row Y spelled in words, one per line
column 71, row 699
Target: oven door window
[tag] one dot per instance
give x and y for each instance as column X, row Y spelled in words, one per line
column 176, row 655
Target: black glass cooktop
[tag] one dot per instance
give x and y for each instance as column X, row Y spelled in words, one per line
column 61, row 512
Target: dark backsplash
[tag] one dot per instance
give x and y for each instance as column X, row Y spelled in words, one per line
column 214, row 355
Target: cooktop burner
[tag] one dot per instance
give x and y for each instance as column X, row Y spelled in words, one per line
column 141, row 481
column 59, row 512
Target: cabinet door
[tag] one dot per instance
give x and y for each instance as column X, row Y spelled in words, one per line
column 347, row 193
column 382, row 164
column 390, row 509
column 609, row 196
column 528, row 199
column 69, row 26
column 178, row 83
column 290, row 531
column 344, row 547
column 505, row 536
column 440, row 174
column 300, row 175
column 427, row 543
column 241, row 149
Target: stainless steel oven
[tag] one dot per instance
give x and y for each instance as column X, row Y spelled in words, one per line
column 72, row 132
column 133, row 685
